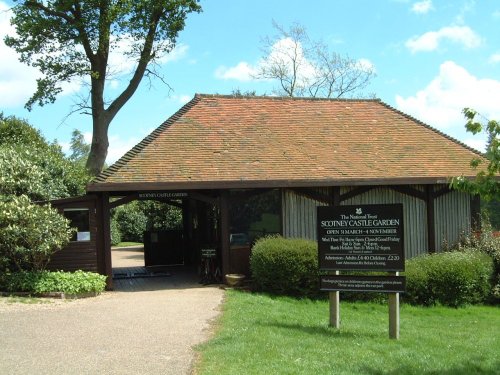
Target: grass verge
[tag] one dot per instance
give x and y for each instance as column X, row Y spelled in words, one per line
column 128, row 244
column 259, row 334
column 25, row 300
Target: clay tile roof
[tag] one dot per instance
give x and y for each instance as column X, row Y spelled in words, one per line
column 219, row 141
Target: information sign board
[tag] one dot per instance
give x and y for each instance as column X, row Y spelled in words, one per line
column 208, row 253
column 353, row 283
column 361, row 237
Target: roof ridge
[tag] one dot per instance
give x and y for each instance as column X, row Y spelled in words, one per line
column 261, row 97
column 439, row 132
column 145, row 141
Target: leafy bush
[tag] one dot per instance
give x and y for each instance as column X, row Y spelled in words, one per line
column 285, row 266
column 451, row 278
column 59, row 281
column 31, row 166
column 131, row 222
column 116, row 236
column 136, row 217
column 161, row 216
column 488, row 242
column 19, row 175
column 30, row 234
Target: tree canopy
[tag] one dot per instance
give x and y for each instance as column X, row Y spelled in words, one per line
column 487, row 181
column 32, row 169
column 31, row 166
column 70, row 40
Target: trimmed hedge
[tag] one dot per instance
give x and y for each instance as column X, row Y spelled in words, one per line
column 290, row 267
column 451, row 279
column 48, row 282
column 285, row 266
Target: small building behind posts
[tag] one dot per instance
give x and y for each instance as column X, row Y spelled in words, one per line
column 245, row 167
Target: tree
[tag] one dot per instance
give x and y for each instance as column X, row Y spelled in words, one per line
column 70, row 39
column 80, row 149
column 31, row 166
column 136, row 217
column 307, row 68
column 487, row 181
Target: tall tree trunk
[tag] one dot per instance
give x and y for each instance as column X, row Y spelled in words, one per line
column 100, row 143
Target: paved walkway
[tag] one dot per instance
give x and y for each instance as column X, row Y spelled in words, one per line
column 151, row 330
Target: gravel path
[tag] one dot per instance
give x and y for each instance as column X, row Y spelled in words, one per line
column 142, row 332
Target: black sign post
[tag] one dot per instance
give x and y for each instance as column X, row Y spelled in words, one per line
column 362, row 238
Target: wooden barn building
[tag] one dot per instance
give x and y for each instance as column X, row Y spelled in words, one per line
column 244, row 167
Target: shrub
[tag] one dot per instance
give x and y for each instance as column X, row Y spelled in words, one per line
column 486, row 241
column 451, row 278
column 116, row 236
column 285, row 266
column 59, row 281
column 30, row 234
column 131, row 222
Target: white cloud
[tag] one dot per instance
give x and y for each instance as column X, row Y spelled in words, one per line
column 17, row 80
column 467, row 6
column 422, row 7
column 495, row 58
column 243, row 71
column 366, row 64
column 478, row 144
column 441, row 102
column 121, row 64
column 430, row 41
column 181, row 99
column 118, row 147
column 178, row 53
column 282, row 53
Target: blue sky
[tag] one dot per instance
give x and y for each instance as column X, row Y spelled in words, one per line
column 432, row 58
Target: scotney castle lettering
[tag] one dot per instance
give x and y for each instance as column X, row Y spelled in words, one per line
column 361, row 237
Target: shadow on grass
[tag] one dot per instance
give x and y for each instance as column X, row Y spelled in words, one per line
column 467, row 368
column 329, row 332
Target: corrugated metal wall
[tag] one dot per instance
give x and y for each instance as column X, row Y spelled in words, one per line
column 452, row 215
column 299, row 216
column 415, row 218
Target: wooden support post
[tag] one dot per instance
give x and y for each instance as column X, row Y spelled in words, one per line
column 335, row 296
column 335, row 308
column 187, row 230
column 106, row 225
column 103, row 241
column 224, row 230
column 431, row 227
column 336, row 195
column 394, row 314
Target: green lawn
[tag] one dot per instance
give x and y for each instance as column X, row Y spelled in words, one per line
column 258, row 334
column 128, row 244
